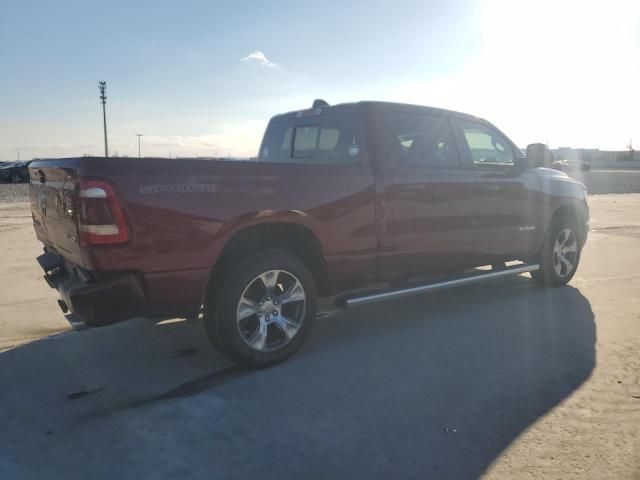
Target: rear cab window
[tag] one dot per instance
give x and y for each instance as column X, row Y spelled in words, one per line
column 324, row 137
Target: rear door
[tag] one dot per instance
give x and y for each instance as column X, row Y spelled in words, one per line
column 507, row 213
column 429, row 195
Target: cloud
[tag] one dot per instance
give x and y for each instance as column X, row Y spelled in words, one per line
column 259, row 58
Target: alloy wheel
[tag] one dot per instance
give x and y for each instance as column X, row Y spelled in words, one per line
column 565, row 252
column 271, row 310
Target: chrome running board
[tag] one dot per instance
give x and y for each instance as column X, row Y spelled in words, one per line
column 352, row 301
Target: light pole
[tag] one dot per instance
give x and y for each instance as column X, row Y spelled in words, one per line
column 103, row 97
column 139, row 135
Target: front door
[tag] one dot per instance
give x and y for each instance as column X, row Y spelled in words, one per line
column 508, row 213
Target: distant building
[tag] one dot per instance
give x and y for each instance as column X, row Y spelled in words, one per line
column 595, row 155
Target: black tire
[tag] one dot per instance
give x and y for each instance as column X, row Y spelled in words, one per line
column 222, row 304
column 548, row 258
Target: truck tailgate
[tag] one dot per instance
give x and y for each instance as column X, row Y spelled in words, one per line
column 53, row 194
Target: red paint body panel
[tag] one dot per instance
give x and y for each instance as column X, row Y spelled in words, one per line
column 374, row 222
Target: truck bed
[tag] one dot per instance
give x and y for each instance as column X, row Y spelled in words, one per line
column 180, row 213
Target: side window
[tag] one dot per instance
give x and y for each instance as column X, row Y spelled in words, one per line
column 286, row 141
column 276, row 144
column 488, row 147
column 422, row 140
column 328, row 138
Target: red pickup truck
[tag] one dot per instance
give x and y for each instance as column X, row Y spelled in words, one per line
column 377, row 198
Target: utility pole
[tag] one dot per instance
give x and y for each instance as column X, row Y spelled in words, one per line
column 103, row 97
column 139, row 135
column 18, row 154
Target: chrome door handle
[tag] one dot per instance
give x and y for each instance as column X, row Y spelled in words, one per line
column 491, row 188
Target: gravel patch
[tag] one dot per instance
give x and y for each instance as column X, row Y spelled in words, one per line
column 14, row 192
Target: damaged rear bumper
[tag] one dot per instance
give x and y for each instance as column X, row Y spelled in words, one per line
column 94, row 298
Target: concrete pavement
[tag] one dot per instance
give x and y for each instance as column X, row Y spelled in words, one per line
column 504, row 380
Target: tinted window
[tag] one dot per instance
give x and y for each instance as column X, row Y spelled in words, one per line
column 487, row 146
column 422, row 140
column 286, row 141
column 328, row 138
column 305, row 142
column 277, row 142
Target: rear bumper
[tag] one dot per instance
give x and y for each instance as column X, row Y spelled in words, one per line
column 92, row 299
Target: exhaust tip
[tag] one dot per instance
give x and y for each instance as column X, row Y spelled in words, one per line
column 63, row 306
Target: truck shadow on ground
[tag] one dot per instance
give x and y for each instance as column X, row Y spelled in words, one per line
column 427, row 387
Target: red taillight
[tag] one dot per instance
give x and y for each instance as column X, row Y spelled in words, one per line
column 101, row 220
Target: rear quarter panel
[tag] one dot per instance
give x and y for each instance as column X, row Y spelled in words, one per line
column 182, row 212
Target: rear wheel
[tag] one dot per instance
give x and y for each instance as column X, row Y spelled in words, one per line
column 15, row 178
column 560, row 253
column 264, row 310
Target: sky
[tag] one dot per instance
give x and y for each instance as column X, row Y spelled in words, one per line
column 202, row 78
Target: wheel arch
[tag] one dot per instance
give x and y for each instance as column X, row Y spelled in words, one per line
column 294, row 238
column 574, row 212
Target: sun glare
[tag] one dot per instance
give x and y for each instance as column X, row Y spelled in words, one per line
column 563, row 73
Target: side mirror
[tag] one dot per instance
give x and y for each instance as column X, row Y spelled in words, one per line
column 538, row 155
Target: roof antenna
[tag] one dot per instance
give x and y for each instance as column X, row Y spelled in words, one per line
column 319, row 103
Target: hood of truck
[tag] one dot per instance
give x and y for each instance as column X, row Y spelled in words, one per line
column 555, row 182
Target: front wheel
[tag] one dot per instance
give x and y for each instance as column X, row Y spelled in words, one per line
column 264, row 310
column 560, row 253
